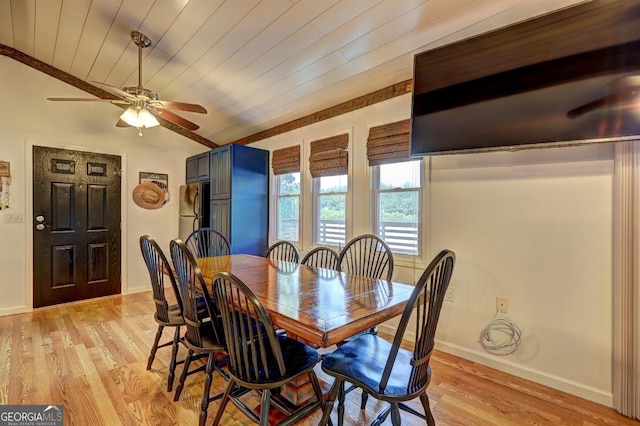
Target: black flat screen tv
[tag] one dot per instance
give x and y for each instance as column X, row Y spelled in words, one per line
column 588, row 97
column 479, row 96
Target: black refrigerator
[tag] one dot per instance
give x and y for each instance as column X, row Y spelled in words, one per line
column 194, row 208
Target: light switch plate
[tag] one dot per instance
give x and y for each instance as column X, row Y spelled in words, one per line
column 13, row 218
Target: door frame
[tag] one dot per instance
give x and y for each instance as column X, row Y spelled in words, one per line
column 28, row 214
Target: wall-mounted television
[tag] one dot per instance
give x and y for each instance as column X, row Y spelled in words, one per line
column 569, row 77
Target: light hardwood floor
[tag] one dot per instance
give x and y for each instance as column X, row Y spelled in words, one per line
column 91, row 358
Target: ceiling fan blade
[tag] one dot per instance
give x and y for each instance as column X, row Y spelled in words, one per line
column 115, row 90
column 609, row 100
column 181, row 106
column 176, row 119
column 113, row 101
column 122, row 123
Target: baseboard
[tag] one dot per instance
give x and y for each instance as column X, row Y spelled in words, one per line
column 14, row 310
column 138, row 289
column 574, row 388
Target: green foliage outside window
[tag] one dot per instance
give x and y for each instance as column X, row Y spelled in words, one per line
column 289, row 184
column 332, row 207
column 399, row 206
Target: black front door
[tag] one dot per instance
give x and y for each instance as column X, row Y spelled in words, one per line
column 76, row 225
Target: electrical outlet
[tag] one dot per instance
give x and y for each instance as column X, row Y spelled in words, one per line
column 501, row 305
column 449, row 295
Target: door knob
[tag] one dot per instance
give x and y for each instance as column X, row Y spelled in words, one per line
column 40, row 227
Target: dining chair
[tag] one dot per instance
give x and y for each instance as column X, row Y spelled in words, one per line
column 386, row 371
column 204, row 336
column 208, row 242
column 167, row 315
column 262, row 361
column 283, row 250
column 367, row 255
column 321, row 257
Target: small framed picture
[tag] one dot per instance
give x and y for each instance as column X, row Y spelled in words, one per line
column 160, row 179
column 4, row 169
column 155, row 178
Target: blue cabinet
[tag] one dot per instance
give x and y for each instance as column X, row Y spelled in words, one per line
column 239, row 177
column 198, row 168
column 221, row 177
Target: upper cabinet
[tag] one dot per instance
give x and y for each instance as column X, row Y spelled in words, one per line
column 198, row 168
column 221, row 176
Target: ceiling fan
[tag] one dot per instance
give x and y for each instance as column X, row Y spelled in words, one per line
column 143, row 105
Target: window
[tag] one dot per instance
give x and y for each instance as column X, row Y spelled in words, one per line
column 397, row 205
column 288, row 207
column 331, row 209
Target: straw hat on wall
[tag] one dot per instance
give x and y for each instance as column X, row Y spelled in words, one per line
column 148, row 196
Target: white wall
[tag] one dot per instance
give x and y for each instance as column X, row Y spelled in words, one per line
column 532, row 226
column 27, row 119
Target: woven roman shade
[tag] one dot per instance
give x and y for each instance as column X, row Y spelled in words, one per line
column 286, row 160
column 389, row 143
column 330, row 156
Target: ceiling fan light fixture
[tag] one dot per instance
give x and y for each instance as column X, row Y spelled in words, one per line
column 139, row 118
column 147, row 119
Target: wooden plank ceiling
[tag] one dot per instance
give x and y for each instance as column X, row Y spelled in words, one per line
column 254, row 65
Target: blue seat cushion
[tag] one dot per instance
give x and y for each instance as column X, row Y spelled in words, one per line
column 361, row 362
column 297, row 357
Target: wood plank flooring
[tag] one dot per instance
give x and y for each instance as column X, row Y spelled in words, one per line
column 91, row 357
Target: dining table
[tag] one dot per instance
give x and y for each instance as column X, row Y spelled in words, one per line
column 321, row 306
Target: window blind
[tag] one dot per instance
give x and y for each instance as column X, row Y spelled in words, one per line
column 286, row 160
column 389, row 143
column 329, row 156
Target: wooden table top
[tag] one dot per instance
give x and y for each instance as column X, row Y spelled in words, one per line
column 320, row 305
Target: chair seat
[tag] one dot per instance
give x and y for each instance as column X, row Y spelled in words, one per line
column 361, row 362
column 175, row 317
column 298, row 358
column 209, row 343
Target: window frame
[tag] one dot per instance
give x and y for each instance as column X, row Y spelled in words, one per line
column 376, row 192
column 278, row 197
column 316, row 213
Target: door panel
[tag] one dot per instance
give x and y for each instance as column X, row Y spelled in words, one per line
column 63, row 206
column 76, row 236
column 63, row 265
column 221, row 218
column 221, row 173
column 214, row 158
column 203, row 167
column 224, row 173
column 96, row 207
column 98, row 263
